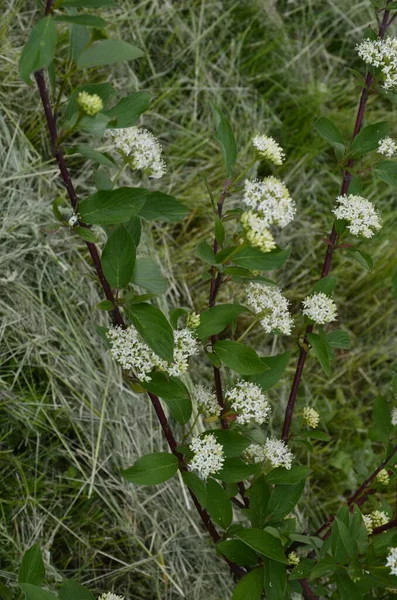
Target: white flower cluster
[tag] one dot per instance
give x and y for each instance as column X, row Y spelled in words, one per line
column 73, row 221
column 141, row 147
column 361, row 214
column 208, row 458
column 207, row 402
column 382, row 54
column 388, row 147
column 268, row 148
column 254, row 453
column 89, row 103
column 320, row 308
column 131, row 352
column 277, row 453
column 271, row 200
column 376, row 519
column 392, row 561
column 311, row 417
column 383, row 477
column 249, row 402
column 256, row 232
column 110, row 596
column 394, row 416
column 269, row 302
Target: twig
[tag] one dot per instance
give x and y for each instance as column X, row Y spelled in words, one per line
column 331, row 244
column 385, row 527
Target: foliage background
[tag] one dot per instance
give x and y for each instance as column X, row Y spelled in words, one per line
column 67, row 423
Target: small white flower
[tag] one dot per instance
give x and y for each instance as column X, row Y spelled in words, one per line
column 388, row 147
column 89, row 103
column 320, row 308
column 268, row 301
column 271, row 199
column 268, row 148
column 208, row 458
column 254, row 453
column 379, row 518
column 277, row 453
column 207, row 402
column 394, row 416
column 311, row 417
column 186, row 345
column 110, row 596
column 249, row 402
column 392, row 561
column 382, row 54
column 360, row 213
column 256, row 231
column 293, row 558
column 192, row 320
column 141, row 147
column 383, row 477
column 73, row 221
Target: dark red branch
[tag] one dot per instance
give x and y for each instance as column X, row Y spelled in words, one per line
column 308, row 593
column 385, row 527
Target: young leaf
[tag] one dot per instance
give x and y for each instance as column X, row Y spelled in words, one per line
column 118, row 258
column 361, row 257
column 240, row 358
column 264, row 543
column 205, row 252
column 253, row 258
column 218, row 504
column 197, row 486
column 82, row 19
column 339, row 339
column 129, row 109
column 32, row 567
column 238, row 552
column 86, row 234
column 331, row 134
column 152, row 469
column 250, row 586
column 225, row 137
column 110, row 207
column 275, row 579
column 163, row 207
column 235, row 470
column 33, row 592
column 148, row 276
column 387, row 172
column 276, row 366
column 71, row 590
column 320, row 349
column 154, row 328
column 174, row 393
column 215, row 319
column 107, row 52
column 325, row 285
column 39, row 50
column 368, row 139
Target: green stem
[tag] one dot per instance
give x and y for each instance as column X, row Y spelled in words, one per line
column 254, row 322
column 243, row 173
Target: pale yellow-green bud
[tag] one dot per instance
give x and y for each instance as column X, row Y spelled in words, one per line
column 293, row 558
column 383, row 477
column 192, row 320
column 89, row 103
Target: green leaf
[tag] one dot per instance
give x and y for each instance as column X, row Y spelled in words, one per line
column 275, row 579
column 218, row 504
column 109, row 207
column 32, row 592
column 39, row 50
column 383, row 426
column 259, row 494
column 339, row 339
column 368, row 139
column 264, row 543
column 346, row 587
column 71, row 590
column 219, row 231
column 197, row 486
column 325, row 285
column 361, row 257
column 282, row 501
column 386, row 170
column 238, row 552
column 253, row 258
column 320, row 349
column 163, row 207
column 205, row 252
column 235, row 470
column 276, row 366
column 250, row 586
column 105, row 305
column 88, row 3
column 102, row 180
column 86, row 234
column 107, row 52
column 215, row 319
column 154, row 328
column 303, row 570
column 342, row 544
column 325, row 565
column 134, row 228
column 331, row 134
column 174, row 393
column 152, row 469
column 96, row 125
column 240, row 358
column 32, row 567
column 79, row 38
column 97, row 157
column 82, row 19
column 282, row 476
column 129, row 109
column 233, row 442
column 148, row 276
column 225, row 137
column 118, row 258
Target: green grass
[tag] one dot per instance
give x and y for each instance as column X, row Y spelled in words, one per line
column 68, row 423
